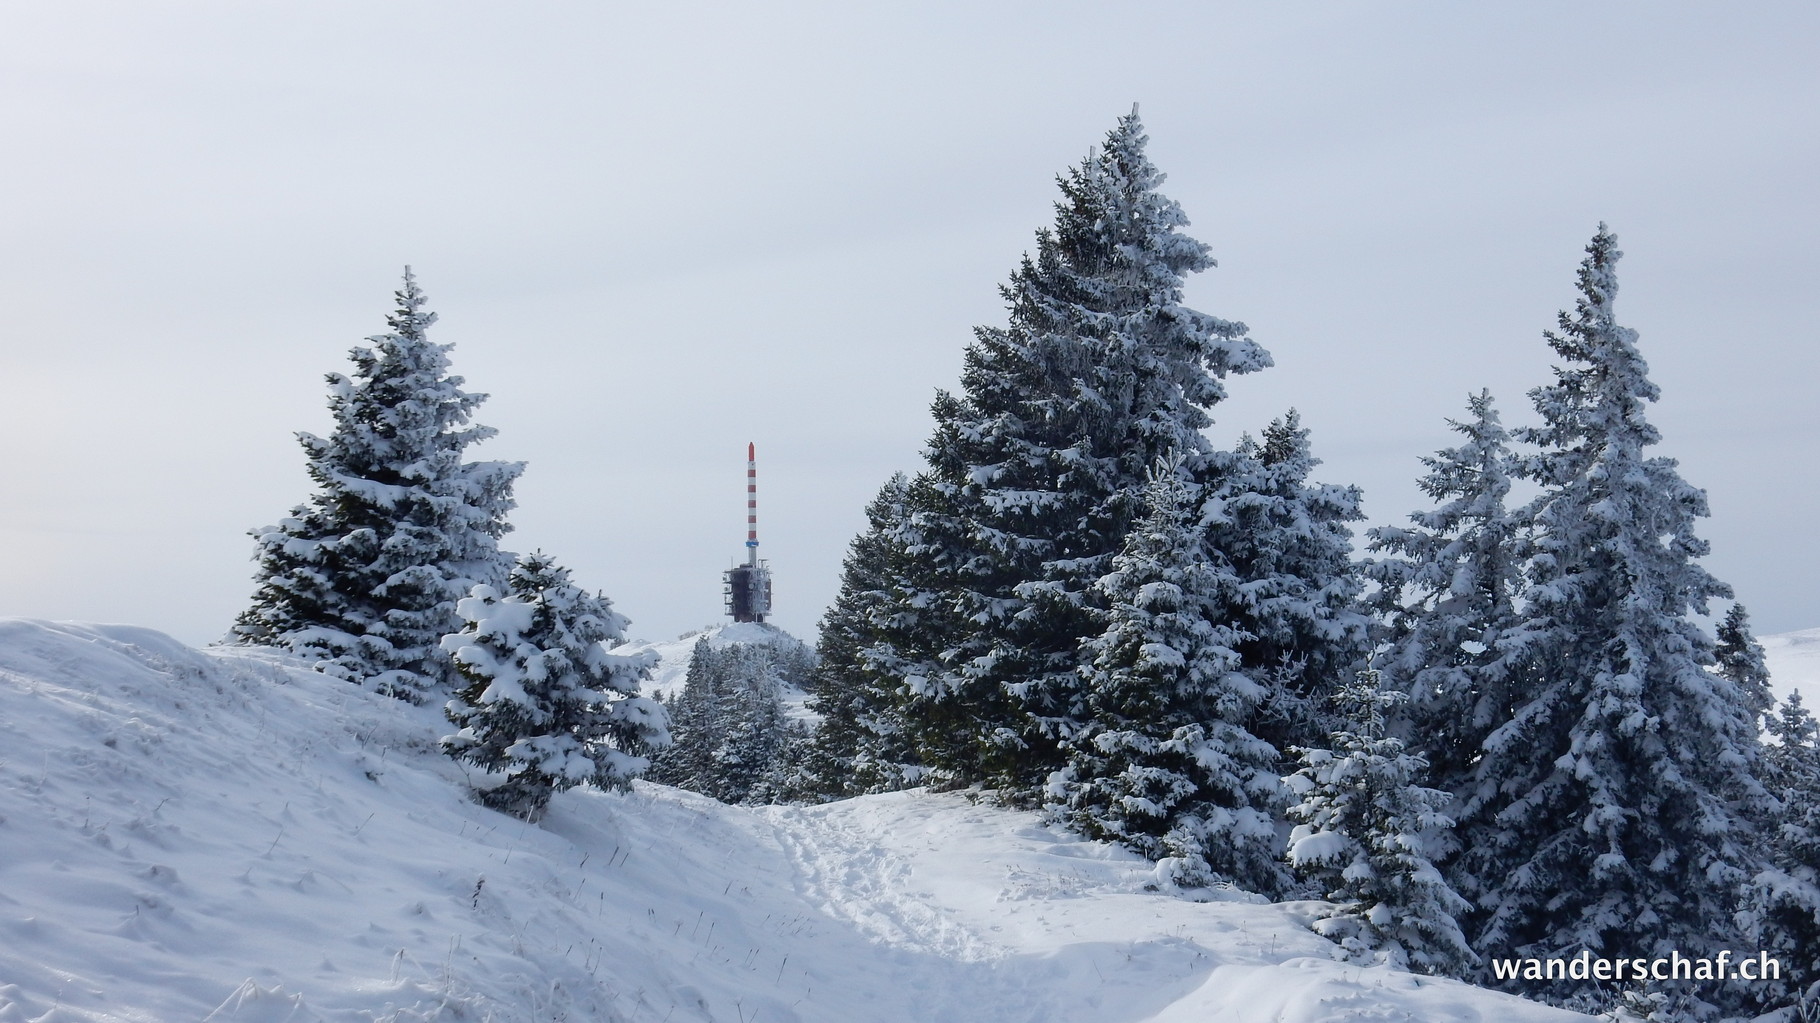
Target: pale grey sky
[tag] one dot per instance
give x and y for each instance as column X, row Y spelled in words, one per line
column 655, row 236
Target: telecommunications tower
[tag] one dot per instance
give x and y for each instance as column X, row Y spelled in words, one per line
column 747, row 588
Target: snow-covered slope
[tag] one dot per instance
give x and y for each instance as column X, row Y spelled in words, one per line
column 223, row 836
column 673, row 655
column 673, row 661
column 1794, row 664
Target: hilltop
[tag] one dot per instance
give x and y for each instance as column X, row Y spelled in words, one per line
column 225, row 835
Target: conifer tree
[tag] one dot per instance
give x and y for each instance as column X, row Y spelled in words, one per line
column 1449, row 595
column 695, row 724
column 859, row 746
column 1165, row 765
column 1285, row 542
column 1617, row 798
column 363, row 579
column 546, row 704
column 752, row 745
column 1781, row 913
column 1036, row 471
column 1370, row 834
column 1740, row 661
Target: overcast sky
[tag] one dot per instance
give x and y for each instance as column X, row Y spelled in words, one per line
column 657, row 235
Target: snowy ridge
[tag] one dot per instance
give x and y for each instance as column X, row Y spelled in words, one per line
column 223, row 835
column 673, row 663
column 1794, row 664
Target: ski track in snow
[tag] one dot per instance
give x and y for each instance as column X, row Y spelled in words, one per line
column 226, row 836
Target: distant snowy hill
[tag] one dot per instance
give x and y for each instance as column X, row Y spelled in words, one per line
column 673, row 660
column 1794, row 664
column 673, row 654
column 225, row 836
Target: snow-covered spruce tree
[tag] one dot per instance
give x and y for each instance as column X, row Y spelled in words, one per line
column 1036, row 471
column 1286, row 543
column 1164, row 764
column 1370, row 834
column 695, row 724
column 546, row 705
column 794, row 661
column 1619, row 797
column 859, row 746
column 363, row 579
column 1449, row 595
column 1740, row 661
column 752, row 722
column 1781, row 913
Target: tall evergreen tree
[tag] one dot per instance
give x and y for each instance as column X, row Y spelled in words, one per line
column 1449, row 594
column 545, row 703
column 1286, row 542
column 1036, row 470
column 696, row 724
column 1615, row 817
column 1164, row 764
column 859, row 745
column 363, row 579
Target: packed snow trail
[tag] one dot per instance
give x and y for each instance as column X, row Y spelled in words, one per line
column 226, row 836
column 1069, row 929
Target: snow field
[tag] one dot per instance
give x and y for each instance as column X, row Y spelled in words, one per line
column 223, row 835
column 1794, row 664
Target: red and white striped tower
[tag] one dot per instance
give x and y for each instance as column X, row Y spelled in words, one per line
column 747, row 587
column 752, row 504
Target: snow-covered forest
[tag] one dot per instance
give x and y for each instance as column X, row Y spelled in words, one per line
column 1095, row 694
column 1329, row 543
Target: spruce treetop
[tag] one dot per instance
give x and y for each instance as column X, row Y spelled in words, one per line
column 1097, row 334
column 404, row 420
column 1450, row 593
column 364, row 577
column 1595, row 408
column 1464, row 550
column 1604, row 502
column 1740, row 660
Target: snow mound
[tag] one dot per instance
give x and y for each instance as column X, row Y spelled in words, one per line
column 224, row 835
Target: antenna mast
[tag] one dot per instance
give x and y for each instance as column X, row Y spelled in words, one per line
column 751, row 504
column 747, row 588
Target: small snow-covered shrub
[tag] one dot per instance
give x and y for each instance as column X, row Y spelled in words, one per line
column 546, row 704
column 1370, row 834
